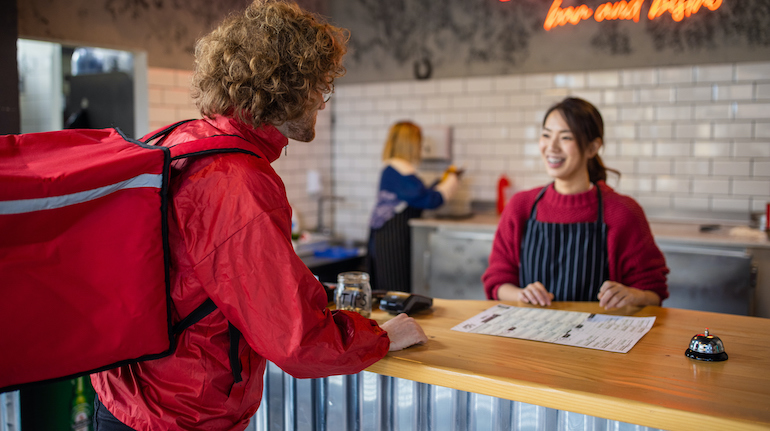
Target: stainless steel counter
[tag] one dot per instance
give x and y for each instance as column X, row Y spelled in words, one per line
column 662, row 231
column 726, row 269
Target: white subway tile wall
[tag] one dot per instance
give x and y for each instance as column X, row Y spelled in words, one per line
column 693, row 138
column 684, row 138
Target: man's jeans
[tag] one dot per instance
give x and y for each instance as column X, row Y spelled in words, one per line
column 105, row 421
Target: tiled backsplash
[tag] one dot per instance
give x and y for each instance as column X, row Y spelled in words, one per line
column 687, row 140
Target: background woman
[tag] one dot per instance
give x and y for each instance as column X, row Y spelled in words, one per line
column 575, row 239
column 402, row 196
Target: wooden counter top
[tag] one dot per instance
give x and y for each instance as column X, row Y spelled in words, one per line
column 653, row 385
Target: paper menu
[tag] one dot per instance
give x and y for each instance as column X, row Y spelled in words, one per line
column 570, row 328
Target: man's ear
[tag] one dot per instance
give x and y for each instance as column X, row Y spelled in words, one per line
column 593, row 148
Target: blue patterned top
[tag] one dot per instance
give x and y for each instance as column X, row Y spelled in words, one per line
column 397, row 192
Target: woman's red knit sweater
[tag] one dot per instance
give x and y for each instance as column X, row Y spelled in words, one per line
column 634, row 258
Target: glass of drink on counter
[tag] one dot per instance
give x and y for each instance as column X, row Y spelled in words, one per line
column 354, row 292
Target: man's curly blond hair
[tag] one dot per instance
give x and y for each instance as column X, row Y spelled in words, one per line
column 263, row 65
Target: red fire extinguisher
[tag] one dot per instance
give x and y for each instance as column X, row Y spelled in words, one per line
column 503, row 185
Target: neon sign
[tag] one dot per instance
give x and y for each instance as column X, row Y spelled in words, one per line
column 680, row 9
column 624, row 10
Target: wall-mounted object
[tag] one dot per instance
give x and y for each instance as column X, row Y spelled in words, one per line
column 314, row 183
column 436, row 142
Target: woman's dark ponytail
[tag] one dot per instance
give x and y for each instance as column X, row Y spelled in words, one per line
column 597, row 171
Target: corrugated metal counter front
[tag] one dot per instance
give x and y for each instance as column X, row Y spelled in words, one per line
column 461, row 381
column 372, row 402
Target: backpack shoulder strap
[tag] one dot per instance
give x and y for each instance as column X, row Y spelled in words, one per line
column 199, row 313
column 199, row 147
column 212, row 145
column 195, row 316
column 162, row 133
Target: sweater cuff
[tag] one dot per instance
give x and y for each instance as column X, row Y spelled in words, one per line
column 493, row 292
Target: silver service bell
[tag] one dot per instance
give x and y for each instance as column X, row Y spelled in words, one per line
column 706, row 347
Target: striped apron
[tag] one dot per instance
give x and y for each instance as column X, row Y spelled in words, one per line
column 569, row 259
column 390, row 253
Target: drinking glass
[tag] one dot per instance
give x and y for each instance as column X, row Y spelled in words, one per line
column 354, row 292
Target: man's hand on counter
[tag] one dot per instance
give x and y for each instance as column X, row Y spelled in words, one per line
column 403, row 332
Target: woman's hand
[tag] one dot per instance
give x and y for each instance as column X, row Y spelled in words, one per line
column 448, row 186
column 452, row 169
column 535, row 293
column 615, row 295
column 403, row 332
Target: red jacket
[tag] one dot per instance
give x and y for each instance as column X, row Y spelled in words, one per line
column 634, row 258
column 230, row 235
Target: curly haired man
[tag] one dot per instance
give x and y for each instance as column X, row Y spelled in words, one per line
column 260, row 77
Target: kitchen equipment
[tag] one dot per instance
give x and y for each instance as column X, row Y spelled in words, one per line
column 449, row 262
column 706, row 347
column 721, row 279
column 459, row 206
column 436, row 143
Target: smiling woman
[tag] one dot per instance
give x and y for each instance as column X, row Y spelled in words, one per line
column 575, row 239
column 572, row 135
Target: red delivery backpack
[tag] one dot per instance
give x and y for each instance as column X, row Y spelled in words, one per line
column 84, row 254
